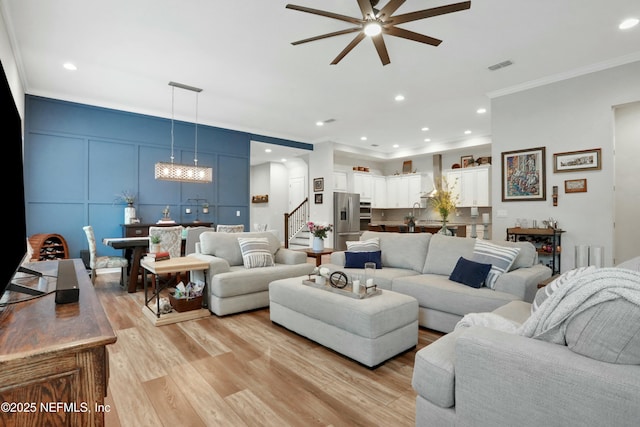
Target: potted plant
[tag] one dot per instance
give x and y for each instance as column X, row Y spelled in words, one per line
column 319, row 232
column 154, row 241
column 444, row 201
column 129, row 211
column 205, row 208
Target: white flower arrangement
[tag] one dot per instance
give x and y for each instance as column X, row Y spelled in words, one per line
column 323, row 272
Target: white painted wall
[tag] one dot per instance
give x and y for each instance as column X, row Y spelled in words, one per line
column 321, row 166
column 271, row 179
column 570, row 115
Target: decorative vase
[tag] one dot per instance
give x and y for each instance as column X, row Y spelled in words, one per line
column 318, row 244
column 129, row 213
column 444, row 230
column 321, row 280
column 154, row 248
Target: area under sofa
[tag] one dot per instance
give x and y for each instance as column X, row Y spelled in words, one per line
column 419, row 265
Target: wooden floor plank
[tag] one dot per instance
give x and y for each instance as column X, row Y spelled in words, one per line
column 243, row 370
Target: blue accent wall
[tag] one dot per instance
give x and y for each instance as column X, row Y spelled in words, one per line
column 78, row 158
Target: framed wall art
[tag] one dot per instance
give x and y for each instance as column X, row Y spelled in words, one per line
column 318, row 199
column 578, row 160
column 467, row 161
column 575, row 185
column 318, row 184
column 406, row 166
column 523, row 175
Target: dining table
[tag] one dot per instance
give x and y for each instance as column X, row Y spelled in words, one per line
column 134, row 248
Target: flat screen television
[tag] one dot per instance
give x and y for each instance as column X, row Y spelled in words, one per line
column 14, row 234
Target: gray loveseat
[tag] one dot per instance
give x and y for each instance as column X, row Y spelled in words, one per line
column 232, row 288
column 419, row 265
column 484, row 375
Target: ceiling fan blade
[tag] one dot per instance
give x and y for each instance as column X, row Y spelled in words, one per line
column 428, row 13
column 349, row 47
column 325, row 13
column 410, row 35
column 366, row 8
column 324, row 36
column 378, row 42
column 389, row 8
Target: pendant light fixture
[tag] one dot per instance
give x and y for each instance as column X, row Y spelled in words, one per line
column 176, row 171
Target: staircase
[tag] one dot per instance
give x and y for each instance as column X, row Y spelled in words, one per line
column 296, row 234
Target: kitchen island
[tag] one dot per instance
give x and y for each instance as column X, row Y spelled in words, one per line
column 459, row 230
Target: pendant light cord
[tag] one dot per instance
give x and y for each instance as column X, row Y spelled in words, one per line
column 195, row 154
column 173, row 95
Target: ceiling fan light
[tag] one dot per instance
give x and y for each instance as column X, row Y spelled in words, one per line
column 372, row 28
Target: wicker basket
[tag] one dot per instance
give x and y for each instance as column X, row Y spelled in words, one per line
column 185, row 304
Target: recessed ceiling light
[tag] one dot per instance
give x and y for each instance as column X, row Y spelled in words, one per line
column 395, row 146
column 319, row 123
column 69, row 66
column 283, row 160
column 467, row 132
column 424, row 129
column 427, row 140
column 267, row 150
column 399, row 97
column 481, row 110
column 628, row 23
column 363, row 138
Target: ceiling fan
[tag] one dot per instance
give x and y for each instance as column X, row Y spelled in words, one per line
column 375, row 23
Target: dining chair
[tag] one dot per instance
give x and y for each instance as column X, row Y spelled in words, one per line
column 170, row 241
column 96, row 262
column 230, row 228
column 193, row 237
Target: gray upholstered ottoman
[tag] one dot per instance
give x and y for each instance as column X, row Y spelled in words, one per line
column 369, row 330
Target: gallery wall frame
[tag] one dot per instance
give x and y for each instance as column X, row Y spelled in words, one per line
column 467, row 161
column 524, row 175
column 575, row 185
column 318, row 199
column 318, row 184
column 583, row 160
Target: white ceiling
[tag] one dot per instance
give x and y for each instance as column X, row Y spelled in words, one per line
column 253, row 79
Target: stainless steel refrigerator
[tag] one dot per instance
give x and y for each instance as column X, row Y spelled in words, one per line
column 346, row 219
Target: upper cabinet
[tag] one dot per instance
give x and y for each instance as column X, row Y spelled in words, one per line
column 363, row 185
column 340, row 181
column 472, row 185
column 379, row 192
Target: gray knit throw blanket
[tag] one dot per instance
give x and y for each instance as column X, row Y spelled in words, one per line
column 549, row 322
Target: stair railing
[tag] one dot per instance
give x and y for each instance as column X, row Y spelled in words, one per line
column 295, row 221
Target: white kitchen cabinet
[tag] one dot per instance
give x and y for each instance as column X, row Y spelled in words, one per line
column 363, row 185
column 415, row 189
column 379, row 200
column 340, row 181
column 403, row 190
column 472, row 185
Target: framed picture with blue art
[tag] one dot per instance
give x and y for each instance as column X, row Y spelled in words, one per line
column 523, row 175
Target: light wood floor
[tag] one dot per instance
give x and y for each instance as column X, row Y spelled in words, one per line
column 242, row 370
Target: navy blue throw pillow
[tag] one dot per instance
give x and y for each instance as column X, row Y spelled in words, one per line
column 357, row 259
column 470, row 273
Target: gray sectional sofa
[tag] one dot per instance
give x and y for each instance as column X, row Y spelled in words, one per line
column 487, row 375
column 419, row 265
column 233, row 288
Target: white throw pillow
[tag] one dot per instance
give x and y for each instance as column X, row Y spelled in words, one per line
column 255, row 252
column 500, row 258
column 369, row 245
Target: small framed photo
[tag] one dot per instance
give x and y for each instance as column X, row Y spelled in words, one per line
column 318, row 184
column 523, row 175
column 575, row 185
column 406, row 166
column 318, row 199
column 467, row 161
column 578, row 160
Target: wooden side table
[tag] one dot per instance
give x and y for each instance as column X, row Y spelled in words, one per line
column 317, row 255
column 173, row 265
column 547, row 281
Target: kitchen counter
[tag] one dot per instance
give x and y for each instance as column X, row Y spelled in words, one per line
column 458, row 229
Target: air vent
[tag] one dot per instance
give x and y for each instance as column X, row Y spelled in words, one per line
column 500, row 65
column 330, row 120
